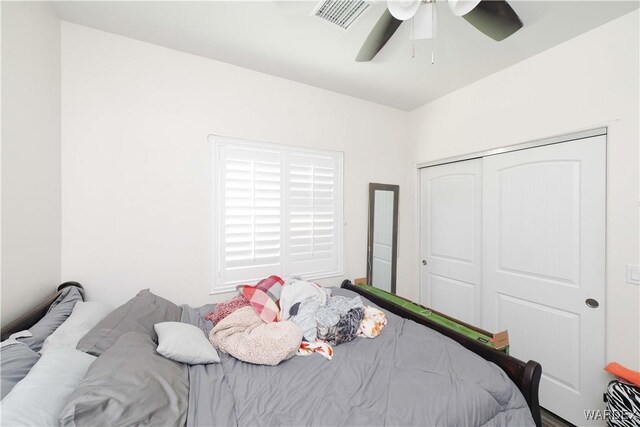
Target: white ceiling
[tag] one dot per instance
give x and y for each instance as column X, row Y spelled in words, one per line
column 281, row 38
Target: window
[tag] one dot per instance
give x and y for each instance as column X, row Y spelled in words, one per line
column 278, row 210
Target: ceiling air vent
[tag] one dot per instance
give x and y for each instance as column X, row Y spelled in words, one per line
column 342, row 13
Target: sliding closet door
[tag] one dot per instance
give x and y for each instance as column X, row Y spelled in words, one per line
column 450, row 239
column 544, row 266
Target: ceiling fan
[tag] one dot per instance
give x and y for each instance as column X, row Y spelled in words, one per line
column 494, row 18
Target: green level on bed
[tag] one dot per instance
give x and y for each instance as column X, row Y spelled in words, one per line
column 499, row 341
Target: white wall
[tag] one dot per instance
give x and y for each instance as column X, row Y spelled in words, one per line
column 587, row 82
column 136, row 167
column 30, row 155
column 137, row 175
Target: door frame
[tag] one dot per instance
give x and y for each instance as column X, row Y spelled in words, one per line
column 516, row 147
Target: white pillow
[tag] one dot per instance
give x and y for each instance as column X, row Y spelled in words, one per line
column 83, row 318
column 184, row 343
column 38, row 399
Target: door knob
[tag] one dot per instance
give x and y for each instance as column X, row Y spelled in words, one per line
column 424, row 262
column 591, row 303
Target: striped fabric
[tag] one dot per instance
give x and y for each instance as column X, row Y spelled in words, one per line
column 623, row 405
column 264, row 297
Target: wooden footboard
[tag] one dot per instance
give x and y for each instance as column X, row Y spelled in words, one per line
column 525, row 375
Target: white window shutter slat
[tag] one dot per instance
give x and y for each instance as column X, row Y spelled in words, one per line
column 278, row 211
column 249, row 224
column 314, row 204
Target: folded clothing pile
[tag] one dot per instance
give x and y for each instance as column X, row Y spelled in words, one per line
column 335, row 319
column 339, row 320
column 278, row 318
column 372, row 323
column 247, row 326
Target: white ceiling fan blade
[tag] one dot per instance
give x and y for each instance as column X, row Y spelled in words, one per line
column 425, row 22
column 403, row 9
column 462, row 7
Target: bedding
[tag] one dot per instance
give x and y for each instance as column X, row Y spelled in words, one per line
column 408, row 375
column 57, row 313
column 130, row 384
column 83, row 318
column 139, row 314
column 184, row 343
column 16, row 360
column 217, row 402
column 39, row 397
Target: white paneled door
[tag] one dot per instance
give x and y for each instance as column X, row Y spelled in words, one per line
column 451, row 203
column 543, row 270
column 517, row 241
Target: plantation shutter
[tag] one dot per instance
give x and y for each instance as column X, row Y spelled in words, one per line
column 314, row 202
column 278, row 211
column 250, row 228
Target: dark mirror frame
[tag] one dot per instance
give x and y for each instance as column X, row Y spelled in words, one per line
column 394, row 249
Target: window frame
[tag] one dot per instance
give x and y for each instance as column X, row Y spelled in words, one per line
column 216, row 142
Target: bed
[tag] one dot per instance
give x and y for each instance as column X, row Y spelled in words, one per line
column 414, row 373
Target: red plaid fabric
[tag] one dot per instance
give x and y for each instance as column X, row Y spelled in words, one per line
column 264, row 297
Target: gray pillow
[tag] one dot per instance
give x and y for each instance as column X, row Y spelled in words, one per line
column 130, row 384
column 57, row 313
column 139, row 314
column 16, row 360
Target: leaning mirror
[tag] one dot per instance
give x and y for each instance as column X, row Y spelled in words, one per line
column 382, row 246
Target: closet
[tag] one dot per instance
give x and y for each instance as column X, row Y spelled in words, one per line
column 515, row 239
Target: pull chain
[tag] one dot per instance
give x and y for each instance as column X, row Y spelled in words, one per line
column 413, row 38
column 413, row 34
column 433, row 40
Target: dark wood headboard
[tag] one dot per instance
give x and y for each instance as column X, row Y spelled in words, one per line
column 525, row 375
column 32, row 316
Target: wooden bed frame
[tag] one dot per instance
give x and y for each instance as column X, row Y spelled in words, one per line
column 525, row 375
column 32, row 316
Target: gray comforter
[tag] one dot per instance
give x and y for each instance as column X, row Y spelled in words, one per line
column 409, row 375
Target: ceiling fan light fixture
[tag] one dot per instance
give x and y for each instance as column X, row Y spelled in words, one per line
column 403, row 9
column 462, row 7
column 425, row 22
